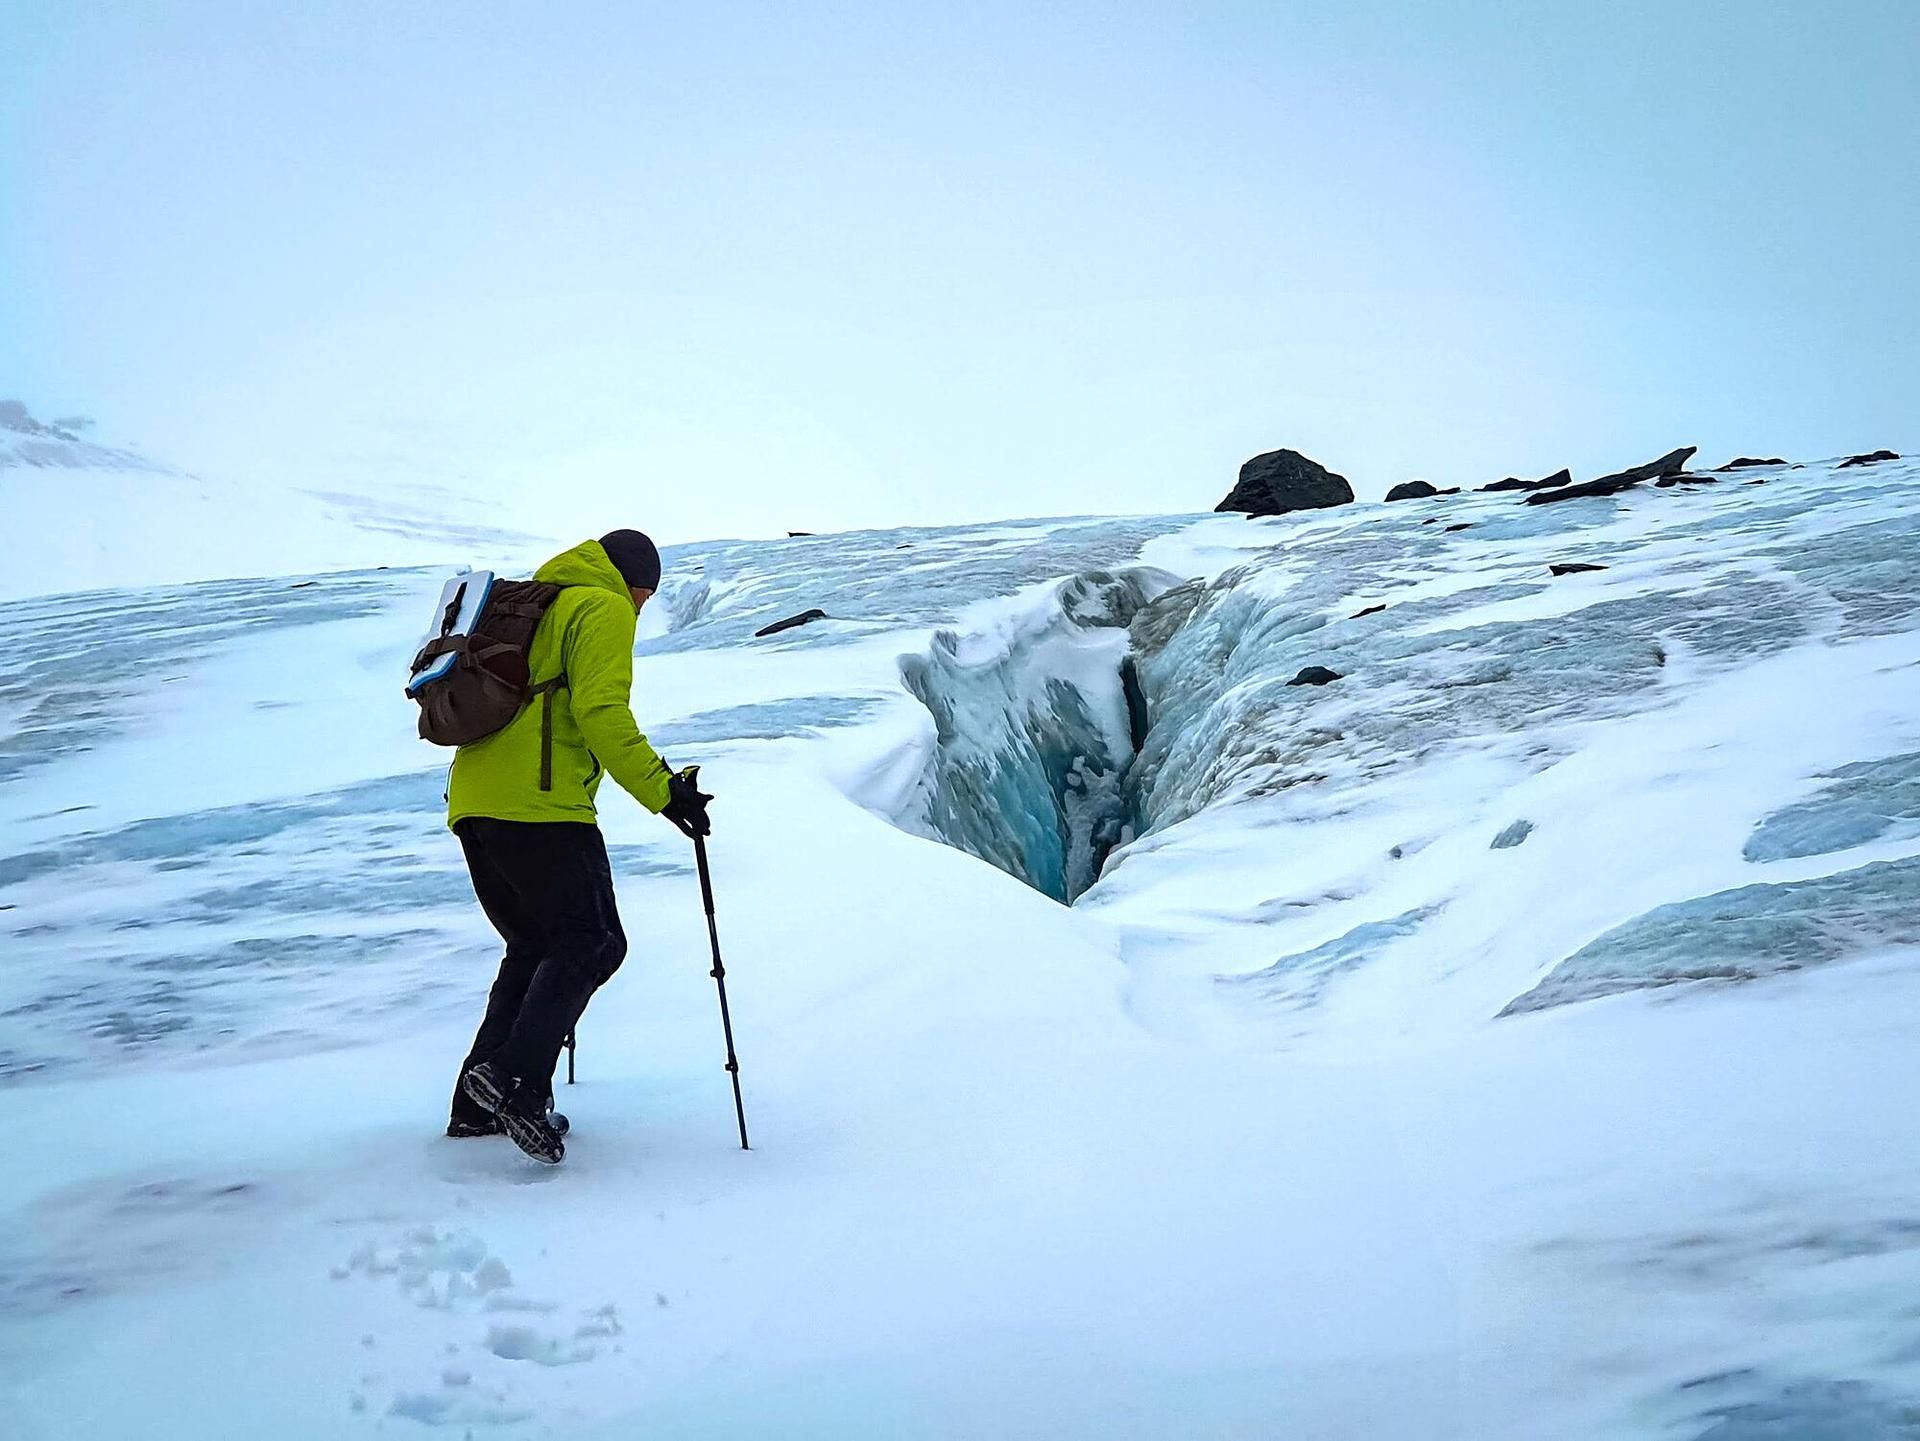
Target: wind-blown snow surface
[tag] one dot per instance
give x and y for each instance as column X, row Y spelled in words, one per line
column 1509, row 1040
column 79, row 516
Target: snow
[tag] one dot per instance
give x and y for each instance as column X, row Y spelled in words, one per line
column 1239, row 1144
column 99, row 517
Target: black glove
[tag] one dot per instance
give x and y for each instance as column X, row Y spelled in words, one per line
column 686, row 806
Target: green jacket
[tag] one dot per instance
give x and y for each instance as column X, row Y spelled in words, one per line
column 586, row 636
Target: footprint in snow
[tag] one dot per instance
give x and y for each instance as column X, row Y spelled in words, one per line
column 454, row 1272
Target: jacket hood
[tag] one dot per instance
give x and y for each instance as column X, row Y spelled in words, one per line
column 585, row 564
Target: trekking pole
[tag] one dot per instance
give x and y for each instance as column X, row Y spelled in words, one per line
column 570, row 1045
column 720, row 979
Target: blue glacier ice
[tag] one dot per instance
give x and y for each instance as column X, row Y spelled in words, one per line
column 1738, row 935
column 1740, row 577
column 718, row 593
column 75, row 669
column 1512, row 835
column 764, row 720
column 1301, row 980
column 1767, row 1409
column 1867, row 801
column 1033, row 734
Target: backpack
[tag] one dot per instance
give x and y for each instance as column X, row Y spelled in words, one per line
column 471, row 679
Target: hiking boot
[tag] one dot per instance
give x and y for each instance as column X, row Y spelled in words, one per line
column 461, row 1130
column 522, row 1115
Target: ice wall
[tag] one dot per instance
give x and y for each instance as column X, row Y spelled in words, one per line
column 1036, row 721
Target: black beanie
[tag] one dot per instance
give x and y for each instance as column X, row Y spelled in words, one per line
column 634, row 556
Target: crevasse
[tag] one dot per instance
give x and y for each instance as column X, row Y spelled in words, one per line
column 1036, row 721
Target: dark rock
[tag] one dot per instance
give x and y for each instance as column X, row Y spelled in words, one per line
column 1667, row 482
column 1873, row 458
column 1672, row 463
column 14, row 415
column 1315, row 675
column 1412, row 490
column 1551, row 482
column 1747, row 462
column 798, row 534
column 1285, row 480
column 1463, row 525
column 806, row 617
column 1370, row 610
column 1573, row 567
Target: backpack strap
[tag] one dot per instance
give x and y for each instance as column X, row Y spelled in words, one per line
column 546, row 693
column 437, row 647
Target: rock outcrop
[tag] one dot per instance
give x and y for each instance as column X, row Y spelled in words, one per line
column 1412, row 490
column 806, row 617
column 1749, row 462
column 1672, row 463
column 1871, row 458
column 1315, row 675
column 1551, row 482
column 1285, row 480
column 61, row 444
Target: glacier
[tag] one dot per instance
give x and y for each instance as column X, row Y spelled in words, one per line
column 1498, row 1041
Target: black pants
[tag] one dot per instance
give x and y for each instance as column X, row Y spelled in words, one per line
column 548, row 889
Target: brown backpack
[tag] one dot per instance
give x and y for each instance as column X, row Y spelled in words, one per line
column 471, row 678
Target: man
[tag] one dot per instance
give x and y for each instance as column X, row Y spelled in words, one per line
column 534, row 850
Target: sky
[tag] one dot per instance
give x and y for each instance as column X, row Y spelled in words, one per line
column 736, row 269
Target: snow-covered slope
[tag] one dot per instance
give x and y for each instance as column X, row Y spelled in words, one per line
column 1505, row 1040
column 81, row 516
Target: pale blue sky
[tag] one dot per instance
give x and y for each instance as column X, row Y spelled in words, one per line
column 737, row 268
